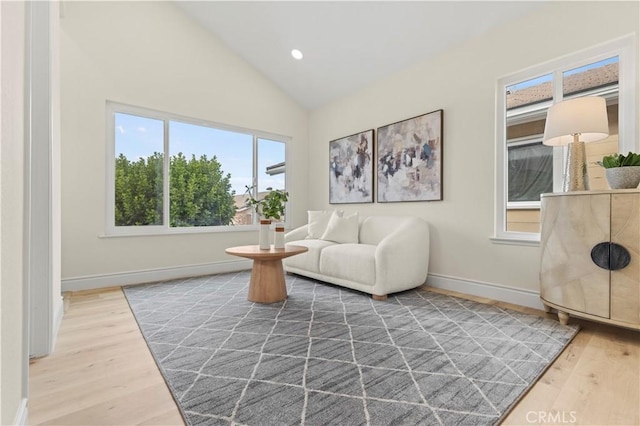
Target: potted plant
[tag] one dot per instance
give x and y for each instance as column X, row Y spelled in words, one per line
column 622, row 171
column 270, row 207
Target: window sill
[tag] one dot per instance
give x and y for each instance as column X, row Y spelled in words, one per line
column 531, row 240
column 183, row 231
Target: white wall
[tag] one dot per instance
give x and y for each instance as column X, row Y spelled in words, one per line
column 13, row 359
column 135, row 53
column 462, row 81
column 150, row 54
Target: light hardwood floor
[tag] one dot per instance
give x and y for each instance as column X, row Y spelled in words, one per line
column 102, row 373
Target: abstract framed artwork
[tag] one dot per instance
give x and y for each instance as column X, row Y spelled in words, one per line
column 409, row 155
column 351, row 169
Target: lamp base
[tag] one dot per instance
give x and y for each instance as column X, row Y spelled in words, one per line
column 575, row 171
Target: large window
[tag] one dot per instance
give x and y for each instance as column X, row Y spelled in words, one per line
column 526, row 167
column 168, row 173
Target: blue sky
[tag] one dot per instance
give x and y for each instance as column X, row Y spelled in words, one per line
column 140, row 137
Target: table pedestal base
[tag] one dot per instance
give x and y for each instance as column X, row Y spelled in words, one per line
column 267, row 282
column 267, row 276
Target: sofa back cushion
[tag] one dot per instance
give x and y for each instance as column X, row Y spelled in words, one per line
column 318, row 221
column 374, row 229
column 342, row 229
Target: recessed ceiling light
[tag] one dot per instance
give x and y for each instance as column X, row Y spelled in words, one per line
column 296, row 54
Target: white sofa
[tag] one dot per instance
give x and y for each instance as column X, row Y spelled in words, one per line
column 391, row 255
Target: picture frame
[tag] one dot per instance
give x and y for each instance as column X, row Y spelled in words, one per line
column 409, row 159
column 351, row 171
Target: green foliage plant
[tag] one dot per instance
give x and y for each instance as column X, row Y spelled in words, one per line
column 619, row 160
column 271, row 206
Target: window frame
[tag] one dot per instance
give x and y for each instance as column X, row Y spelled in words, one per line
column 625, row 49
column 111, row 229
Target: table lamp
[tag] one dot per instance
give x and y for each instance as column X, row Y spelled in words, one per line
column 574, row 122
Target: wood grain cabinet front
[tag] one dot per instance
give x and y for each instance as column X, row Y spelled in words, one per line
column 590, row 264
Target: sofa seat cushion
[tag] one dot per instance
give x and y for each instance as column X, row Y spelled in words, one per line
column 353, row 262
column 310, row 260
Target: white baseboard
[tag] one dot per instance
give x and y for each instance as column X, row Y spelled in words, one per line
column 513, row 295
column 22, row 414
column 152, row 275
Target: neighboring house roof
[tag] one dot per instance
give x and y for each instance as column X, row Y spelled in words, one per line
column 240, row 200
column 575, row 83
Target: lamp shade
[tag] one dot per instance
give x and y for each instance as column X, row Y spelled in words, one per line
column 586, row 116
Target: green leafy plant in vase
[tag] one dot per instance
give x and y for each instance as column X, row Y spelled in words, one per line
column 622, row 171
column 270, row 207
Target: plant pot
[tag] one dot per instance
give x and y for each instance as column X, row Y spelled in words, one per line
column 278, row 236
column 623, row 177
column 263, row 237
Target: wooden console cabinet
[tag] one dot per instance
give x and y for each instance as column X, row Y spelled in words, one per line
column 590, row 265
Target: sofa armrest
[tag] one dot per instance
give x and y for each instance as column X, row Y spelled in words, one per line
column 402, row 257
column 297, row 234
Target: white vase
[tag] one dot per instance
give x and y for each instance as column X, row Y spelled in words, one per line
column 263, row 238
column 278, row 236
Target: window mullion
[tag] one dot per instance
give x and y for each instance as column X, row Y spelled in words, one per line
column 557, row 86
column 254, row 179
column 559, row 152
column 166, row 173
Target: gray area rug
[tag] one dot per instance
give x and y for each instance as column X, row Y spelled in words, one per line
column 332, row 356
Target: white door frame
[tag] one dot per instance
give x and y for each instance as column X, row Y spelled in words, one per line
column 43, row 178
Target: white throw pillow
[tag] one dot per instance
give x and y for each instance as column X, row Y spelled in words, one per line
column 342, row 229
column 318, row 221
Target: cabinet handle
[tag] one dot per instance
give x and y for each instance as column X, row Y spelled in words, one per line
column 610, row 256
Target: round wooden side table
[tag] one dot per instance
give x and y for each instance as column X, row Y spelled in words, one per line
column 267, row 275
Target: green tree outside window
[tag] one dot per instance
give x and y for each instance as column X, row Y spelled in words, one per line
column 200, row 193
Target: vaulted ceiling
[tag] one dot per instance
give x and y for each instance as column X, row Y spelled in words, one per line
column 346, row 45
